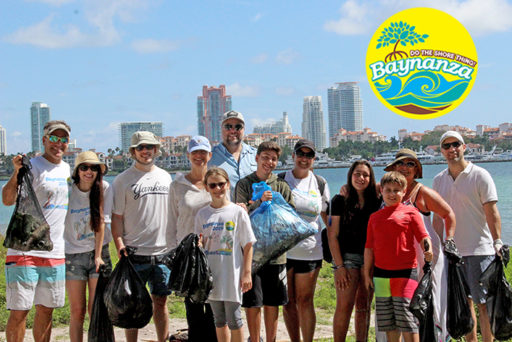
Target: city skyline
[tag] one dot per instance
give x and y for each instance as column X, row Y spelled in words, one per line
column 39, row 116
column 100, row 63
column 345, row 108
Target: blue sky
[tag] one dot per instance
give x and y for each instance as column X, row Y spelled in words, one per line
column 97, row 63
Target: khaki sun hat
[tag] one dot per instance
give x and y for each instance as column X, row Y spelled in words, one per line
column 52, row 126
column 406, row 153
column 89, row 157
column 145, row 138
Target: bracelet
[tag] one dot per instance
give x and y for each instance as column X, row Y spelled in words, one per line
column 335, row 267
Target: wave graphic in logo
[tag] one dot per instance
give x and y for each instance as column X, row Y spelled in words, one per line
column 424, row 92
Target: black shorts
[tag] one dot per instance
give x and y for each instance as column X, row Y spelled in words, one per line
column 268, row 287
column 303, row 266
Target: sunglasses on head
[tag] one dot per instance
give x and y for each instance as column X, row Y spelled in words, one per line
column 237, row 127
column 410, row 164
column 85, row 167
column 455, row 144
column 309, row 155
column 56, row 139
column 144, row 147
column 214, row 185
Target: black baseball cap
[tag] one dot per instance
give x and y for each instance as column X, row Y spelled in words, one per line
column 304, row 143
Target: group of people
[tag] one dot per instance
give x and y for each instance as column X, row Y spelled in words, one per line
column 379, row 235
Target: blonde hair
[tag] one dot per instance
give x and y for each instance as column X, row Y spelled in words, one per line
column 393, row 177
column 216, row 171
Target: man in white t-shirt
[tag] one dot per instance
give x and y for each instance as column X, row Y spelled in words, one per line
column 38, row 277
column 470, row 191
column 139, row 219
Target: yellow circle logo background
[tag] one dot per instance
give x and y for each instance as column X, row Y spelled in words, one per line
column 428, row 76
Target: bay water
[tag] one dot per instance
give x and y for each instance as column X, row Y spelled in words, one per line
column 501, row 173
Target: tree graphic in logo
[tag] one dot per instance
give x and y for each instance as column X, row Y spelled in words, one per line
column 401, row 33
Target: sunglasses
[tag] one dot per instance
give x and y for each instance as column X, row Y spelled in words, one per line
column 144, row 147
column 447, row 146
column 214, row 185
column 309, row 155
column 85, row 167
column 409, row 164
column 56, row 139
column 237, row 127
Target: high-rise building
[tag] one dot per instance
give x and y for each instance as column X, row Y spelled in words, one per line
column 275, row 127
column 345, row 108
column 39, row 116
column 127, row 129
column 313, row 127
column 3, row 141
column 210, row 106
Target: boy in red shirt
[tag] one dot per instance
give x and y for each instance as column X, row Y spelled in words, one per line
column 390, row 253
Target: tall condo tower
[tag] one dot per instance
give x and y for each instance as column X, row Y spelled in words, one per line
column 210, row 106
column 39, row 116
column 3, row 141
column 313, row 127
column 345, row 108
column 126, row 130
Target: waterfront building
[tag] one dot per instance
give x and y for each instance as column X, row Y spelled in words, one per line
column 210, row 106
column 39, row 116
column 345, row 108
column 126, row 130
column 3, row 141
column 365, row 135
column 275, row 127
column 313, row 127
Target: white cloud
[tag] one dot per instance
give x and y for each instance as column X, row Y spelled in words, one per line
column 153, row 45
column 287, row 56
column 478, row 17
column 236, row 89
column 257, row 17
column 285, row 91
column 259, row 59
column 53, row 2
column 16, row 134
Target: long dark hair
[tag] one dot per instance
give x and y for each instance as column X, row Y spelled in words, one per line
column 95, row 200
column 370, row 194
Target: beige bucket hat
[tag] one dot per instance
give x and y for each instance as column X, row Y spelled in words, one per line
column 89, row 157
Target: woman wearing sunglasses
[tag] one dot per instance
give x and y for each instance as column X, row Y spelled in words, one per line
column 427, row 200
column 187, row 195
column 85, row 236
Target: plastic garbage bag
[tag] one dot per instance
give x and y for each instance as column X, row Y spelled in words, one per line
column 276, row 225
column 28, row 229
column 127, row 300
column 499, row 296
column 422, row 306
column 458, row 318
column 190, row 274
column 100, row 327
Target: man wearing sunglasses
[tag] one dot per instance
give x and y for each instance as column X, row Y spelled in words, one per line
column 233, row 155
column 470, row 191
column 139, row 219
column 38, row 277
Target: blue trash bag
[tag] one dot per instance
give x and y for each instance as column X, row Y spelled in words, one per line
column 276, row 225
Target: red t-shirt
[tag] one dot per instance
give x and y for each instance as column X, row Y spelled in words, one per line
column 391, row 232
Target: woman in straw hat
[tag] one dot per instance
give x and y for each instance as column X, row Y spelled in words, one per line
column 90, row 204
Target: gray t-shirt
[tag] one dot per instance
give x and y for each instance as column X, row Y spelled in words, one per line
column 142, row 198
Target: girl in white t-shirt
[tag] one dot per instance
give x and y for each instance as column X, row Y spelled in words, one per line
column 227, row 238
column 86, row 243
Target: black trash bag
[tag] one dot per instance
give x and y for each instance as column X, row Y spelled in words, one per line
column 458, row 316
column 28, row 229
column 499, row 296
column 326, row 251
column 191, row 276
column 100, row 327
column 422, row 306
column 127, row 300
column 276, row 226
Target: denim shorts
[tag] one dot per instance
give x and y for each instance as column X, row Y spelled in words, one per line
column 473, row 268
column 352, row 260
column 81, row 266
column 156, row 275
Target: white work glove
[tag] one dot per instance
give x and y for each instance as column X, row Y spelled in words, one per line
column 497, row 246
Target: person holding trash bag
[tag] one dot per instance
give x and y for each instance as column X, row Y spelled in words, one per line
column 187, row 195
column 227, row 239
column 347, row 236
column 139, row 219
column 390, row 252
column 38, row 277
column 471, row 193
column 85, row 236
column 269, row 283
column 304, row 261
column 426, row 200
